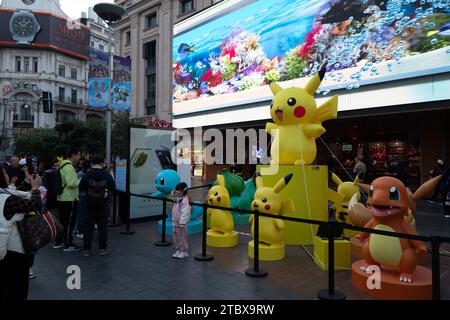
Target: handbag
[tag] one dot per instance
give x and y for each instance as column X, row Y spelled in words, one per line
column 37, row 230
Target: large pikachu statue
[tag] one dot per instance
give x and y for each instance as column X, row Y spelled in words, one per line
column 268, row 200
column 298, row 122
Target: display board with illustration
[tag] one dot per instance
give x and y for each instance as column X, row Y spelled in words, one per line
column 121, row 91
column 257, row 42
column 150, row 152
column 99, row 81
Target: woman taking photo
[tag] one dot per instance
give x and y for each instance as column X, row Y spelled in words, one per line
column 14, row 263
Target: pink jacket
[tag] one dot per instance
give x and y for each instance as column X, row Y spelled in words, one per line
column 181, row 212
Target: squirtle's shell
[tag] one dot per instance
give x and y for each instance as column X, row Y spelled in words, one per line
column 141, row 159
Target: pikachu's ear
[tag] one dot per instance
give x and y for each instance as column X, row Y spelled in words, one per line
column 287, row 206
column 282, row 183
column 275, row 88
column 356, row 181
column 221, row 180
column 315, row 81
column 336, row 179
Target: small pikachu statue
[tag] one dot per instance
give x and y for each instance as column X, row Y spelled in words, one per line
column 268, row 200
column 221, row 220
column 343, row 195
column 298, row 122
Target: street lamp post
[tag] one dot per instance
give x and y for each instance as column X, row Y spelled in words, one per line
column 110, row 13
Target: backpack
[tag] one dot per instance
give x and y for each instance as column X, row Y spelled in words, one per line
column 97, row 189
column 53, row 182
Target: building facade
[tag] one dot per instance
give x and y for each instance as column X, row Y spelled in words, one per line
column 44, row 77
column 99, row 30
column 145, row 36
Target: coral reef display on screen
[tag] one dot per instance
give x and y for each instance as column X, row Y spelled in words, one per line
column 280, row 40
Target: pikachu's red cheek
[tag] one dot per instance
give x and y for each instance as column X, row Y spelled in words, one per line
column 267, row 207
column 299, row 112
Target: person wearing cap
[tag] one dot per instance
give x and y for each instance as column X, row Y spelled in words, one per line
column 438, row 170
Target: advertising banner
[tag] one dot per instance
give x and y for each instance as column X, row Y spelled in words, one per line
column 150, row 152
column 99, row 81
column 121, row 175
column 122, row 84
column 26, row 28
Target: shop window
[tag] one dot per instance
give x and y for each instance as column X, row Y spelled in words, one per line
column 62, row 71
column 128, row 38
column 24, row 113
column 187, row 6
column 18, row 64
column 73, row 74
column 73, row 96
column 62, row 94
column 35, row 65
column 27, row 64
column 152, row 21
column 65, row 116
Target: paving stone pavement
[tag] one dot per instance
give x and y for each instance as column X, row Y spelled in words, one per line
column 136, row 269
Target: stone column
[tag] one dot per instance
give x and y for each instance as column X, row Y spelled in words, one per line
column 35, row 110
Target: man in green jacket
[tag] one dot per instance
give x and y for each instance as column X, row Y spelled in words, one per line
column 67, row 200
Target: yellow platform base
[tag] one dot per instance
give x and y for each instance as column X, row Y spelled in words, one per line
column 274, row 252
column 310, row 200
column 342, row 256
column 219, row 240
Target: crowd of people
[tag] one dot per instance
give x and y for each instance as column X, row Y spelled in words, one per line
column 76, row 190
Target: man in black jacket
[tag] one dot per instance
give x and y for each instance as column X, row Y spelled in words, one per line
column 99, row 186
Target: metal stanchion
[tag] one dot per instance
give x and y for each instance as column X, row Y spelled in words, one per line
column 330, row 293
column 126, row 210
column 163, row 242
column 115, row 210
column 435, row 267
column 204, row 256
column 256, row 271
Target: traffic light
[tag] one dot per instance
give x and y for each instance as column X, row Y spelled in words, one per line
column 47, row 102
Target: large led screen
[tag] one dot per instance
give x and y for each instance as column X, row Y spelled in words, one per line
column 255, row 42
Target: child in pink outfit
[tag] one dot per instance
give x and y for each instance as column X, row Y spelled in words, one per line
column 181, row 215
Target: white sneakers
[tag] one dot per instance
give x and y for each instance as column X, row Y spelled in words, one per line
column 175, row 255
column 180, row 255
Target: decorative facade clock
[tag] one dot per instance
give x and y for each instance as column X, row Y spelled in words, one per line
column 23, row 26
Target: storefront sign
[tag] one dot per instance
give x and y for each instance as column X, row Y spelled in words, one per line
column 99, row 81
column 49, row 32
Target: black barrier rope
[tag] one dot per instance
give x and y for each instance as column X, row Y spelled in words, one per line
column 436, row 241
column 201, row 187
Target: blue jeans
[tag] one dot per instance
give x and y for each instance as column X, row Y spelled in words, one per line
column 81, row 211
